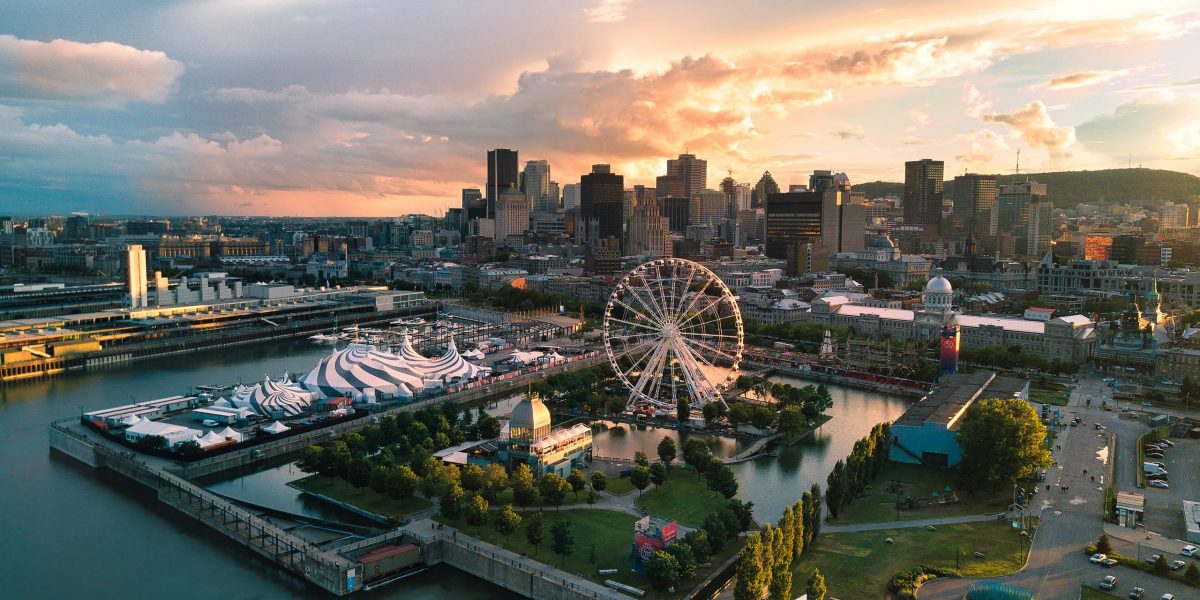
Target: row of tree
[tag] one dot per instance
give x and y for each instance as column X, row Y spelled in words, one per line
column 765, row 562
column 582, row 388
column 1014, row 358
column 678, row 562
column 850, row 476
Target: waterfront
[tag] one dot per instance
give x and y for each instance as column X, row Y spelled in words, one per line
column 115, row 524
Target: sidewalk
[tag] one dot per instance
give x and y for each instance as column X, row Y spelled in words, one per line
column 826, row 528
column 1147, row 539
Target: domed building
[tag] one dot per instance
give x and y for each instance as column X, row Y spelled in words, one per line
column 529, row 438
column 939, row 294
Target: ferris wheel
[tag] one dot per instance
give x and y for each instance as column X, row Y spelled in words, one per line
column 672, row 330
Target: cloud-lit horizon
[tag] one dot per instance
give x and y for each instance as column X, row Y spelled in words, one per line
column 343, row 107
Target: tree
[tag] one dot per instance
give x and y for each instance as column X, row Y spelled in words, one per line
column 402, row 482
column 685, row 557
column 477, row 510
column 640, row 478
column 311, row 459
column 494, row 482
column 749, row 570
column 1192, row 574
column 666, row 450
column 715, row 528
column 577, row 481
column 591, row 497
column 524, row 494
column 451, row 500
column 781, row 584
column 472, row 478
column 834, row 494
column 190, row 449
column 790, row 421
column 561, row 538
column 380, row 478
column 1002, row 440
column 695, row 454
column 359, row 474
column 506, row 521
column 533, row 531
column 152, row 442
column 816, row 586
column 1103, row 545
column 713, row 411
column 1161, row 567
column 489, row 427
column 698, row 541
column 658, row 474
column 762, row 417
column 720, row 478
column 662, row 569
column 640, row 459
column 683, row 409
column 599, row 481
column 553, row 489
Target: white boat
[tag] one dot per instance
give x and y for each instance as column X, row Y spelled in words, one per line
column 325, row 338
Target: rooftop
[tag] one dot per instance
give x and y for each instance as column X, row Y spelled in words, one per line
column 950, row 399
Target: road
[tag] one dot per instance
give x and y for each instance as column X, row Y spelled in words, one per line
column 1073, row 518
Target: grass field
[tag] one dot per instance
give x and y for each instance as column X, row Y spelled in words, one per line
column 1047, row 393
column 858, row 565
column 920, row 482
column 684, row 497
column 608, row 533
column 365, row 498
column 619, row 486
column 1095, row 594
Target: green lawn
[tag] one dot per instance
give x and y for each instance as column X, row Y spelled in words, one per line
column 619, row 486
column 506, row 497
column 365, row 498
column 1095, row 594
column 1048, row 393
column 684, row 497
column 858, row 565
column 609, row 532
column 921, row 482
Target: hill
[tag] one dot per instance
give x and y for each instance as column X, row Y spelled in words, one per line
column 1068, row 188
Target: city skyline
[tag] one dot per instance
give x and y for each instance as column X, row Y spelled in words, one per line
column 313, row 108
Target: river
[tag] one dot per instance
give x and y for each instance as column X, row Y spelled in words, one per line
column 69, row 531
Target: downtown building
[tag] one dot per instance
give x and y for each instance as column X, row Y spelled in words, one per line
column 923, row 196
column 601, row 205
column 502, row 174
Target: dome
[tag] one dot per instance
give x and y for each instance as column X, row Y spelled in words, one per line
column 529, row 416
column 939, row 285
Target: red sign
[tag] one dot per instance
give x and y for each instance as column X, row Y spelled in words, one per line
column 668, row 533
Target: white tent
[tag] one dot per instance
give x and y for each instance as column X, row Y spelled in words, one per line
column 210, row 439
column 230, row 433
column 276, row 427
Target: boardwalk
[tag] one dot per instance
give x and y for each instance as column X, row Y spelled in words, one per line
column 752, row 451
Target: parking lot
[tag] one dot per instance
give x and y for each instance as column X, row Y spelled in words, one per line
column 1164, row 508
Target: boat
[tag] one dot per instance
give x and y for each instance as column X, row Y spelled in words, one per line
column 325, row 338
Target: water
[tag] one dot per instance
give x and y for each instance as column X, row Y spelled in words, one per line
column 67, row 531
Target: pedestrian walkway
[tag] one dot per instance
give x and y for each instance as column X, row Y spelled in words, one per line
column 825, row 528
column 752, row 451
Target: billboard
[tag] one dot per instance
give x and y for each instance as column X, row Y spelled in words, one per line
column 643, row 548
column 949, row 354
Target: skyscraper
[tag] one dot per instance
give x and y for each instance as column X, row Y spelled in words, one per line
column 692, row 171
column 709, row 207
column 820, row 181
column 501, row 175
column 512, row 215
column 601, row 200
column 1025, row 210
column 974, row 197
column 765, row 187
column 675, row 209
column 536, row 185
column 648, row 231
column 923, row 188
column 138, row 285
column 669, row 185
column 570, row 196
column 473, row 204
column 792, row 217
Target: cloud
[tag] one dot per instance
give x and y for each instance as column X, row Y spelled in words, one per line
column 1167, row 86
column 1034, row 126
column 919, row 114
column 608, row 11
column 912, row 140
column 979, row 148
column 1080, row 79
column 1149, row 129
column 850, row 132
column 104, row 73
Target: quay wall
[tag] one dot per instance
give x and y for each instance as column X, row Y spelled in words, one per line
column 840, row 380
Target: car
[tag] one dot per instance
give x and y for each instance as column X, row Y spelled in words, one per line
column 1160, row 484
column 209, row 423
column 1108, row 380
column 1098, row 558
column 1157, row 455
column 1169, row 443
column 1177, row 565
column 1137, row 593
column 1189, row 550
column 1109, row 563
column 1167, row 597
column 1074, row 424
column 1108, row 583
column 1153, row 558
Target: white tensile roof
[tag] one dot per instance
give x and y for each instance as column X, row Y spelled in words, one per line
column 276, row 427
column 271, row 396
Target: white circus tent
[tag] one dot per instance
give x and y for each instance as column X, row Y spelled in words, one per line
column 359, row 369
column 270, row 397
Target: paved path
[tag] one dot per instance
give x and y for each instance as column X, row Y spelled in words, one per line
column 826, row 528
column 753, row 450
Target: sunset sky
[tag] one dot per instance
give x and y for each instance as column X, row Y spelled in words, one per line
column 373, row 107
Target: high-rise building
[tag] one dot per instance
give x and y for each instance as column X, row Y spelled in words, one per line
column 139, row 295
column 473, row 204
column 512, row 215
column 739, row 198
column 648, row 232
column 601, row 200
column 692, row 171
column 765, row 187
column 1175, row 215
column 1025, row 210
column 668, row 185
column 501, row 175
column 675, row 209
column 709, row 207
column 843, row 223
column 975, row 197
column 923, row 191
column 1097, row 247
column 751, row 225
column 570, row 196
column 535, row 182
column 792, row 217
column 820, row 181
column 555, row 199
column 644, row 196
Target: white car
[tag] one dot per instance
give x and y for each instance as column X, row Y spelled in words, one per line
column 1097, row 558
column 1177, row 565
column 1167, row 597
column 1169, row 443
column 209, row 423
column 1189, row 550
column 1158, row 483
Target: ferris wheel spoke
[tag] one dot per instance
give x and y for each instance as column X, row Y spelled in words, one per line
column 699, row 344
column 686, row 282
column 633, row 335
column 694, row 373
column 634, row 310
column 650, row 295
column 642, row 379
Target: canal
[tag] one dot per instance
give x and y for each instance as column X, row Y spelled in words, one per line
column 117, row 540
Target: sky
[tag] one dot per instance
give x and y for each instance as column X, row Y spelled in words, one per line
column 387, row 107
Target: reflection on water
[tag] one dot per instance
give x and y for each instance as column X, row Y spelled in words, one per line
column 622, row 440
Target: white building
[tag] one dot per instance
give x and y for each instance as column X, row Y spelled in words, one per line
column 139, row 294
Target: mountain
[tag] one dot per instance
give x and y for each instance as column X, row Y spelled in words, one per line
column 1068, row 188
